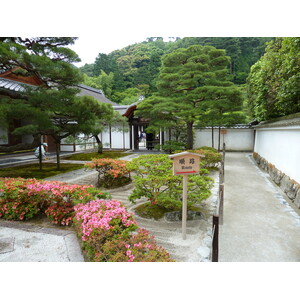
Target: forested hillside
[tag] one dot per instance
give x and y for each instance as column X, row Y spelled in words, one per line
column 126, row 73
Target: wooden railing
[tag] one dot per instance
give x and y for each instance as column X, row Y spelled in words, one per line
column 218, row 215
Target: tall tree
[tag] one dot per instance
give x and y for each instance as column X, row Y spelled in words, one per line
column 274, row 81
column 53, row 108
column 188, row 78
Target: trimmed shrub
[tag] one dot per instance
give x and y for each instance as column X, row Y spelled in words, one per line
column 171, row 146
column 111, row 172
column 155, row 181
column 211, row 158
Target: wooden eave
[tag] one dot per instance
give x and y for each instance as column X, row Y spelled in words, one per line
column 129, row 111
column 32, row 80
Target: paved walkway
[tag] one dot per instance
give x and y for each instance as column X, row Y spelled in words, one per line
column 259, row 223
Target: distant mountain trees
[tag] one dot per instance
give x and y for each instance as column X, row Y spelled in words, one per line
column 139, row 64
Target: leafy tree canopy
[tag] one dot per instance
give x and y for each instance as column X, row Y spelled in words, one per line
column 188, row 79
column 274, row 81
column 53, row 108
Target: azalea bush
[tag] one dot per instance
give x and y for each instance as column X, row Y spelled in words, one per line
column 22, row 199
column 107, row 231
column 154, row 180
column 111, row 172
column 137, row 247
column 15, row 203
column 60, row 213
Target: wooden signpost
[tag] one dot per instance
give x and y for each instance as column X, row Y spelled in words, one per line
column 185, row 163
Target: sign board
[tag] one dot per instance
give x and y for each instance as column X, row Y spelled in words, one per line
column 223, row 131
column 186, row 163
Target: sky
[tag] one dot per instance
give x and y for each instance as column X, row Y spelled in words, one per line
column 104, row 26
column 88, row 47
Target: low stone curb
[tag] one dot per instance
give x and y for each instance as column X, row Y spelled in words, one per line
column 289, row 186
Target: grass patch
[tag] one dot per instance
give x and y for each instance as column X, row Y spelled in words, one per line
column 90, row 156
column 16, row 152
column 33, row 171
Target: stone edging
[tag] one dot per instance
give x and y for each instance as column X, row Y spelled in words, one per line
column 289, row 186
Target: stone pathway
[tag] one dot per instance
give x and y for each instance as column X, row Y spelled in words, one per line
column 259, row 223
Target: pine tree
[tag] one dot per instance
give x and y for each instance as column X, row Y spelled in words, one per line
column 53, row 108
column 189, row 78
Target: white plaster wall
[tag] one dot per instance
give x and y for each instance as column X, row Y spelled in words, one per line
column 67, row 148
column 236, row 139
column 280, row 147
column 120, row 137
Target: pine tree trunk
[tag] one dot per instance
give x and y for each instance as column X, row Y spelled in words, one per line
column 189, row 139
column 40, row 157
column 100, row 145
column 57, row 155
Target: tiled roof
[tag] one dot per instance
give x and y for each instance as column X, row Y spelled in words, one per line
column 237, row 126
column 11, row 85
column 98, row 94
column 287, row 121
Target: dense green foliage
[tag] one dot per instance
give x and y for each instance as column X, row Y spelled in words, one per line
column 137, row 65
column 154, row 180
column 191, row 82
column 274, row 81
column 33, row 171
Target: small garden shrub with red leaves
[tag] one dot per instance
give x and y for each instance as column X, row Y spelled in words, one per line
column 111, row 172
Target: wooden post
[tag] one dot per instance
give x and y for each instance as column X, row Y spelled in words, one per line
column 185, row 163
column 221, row 199
column 184, row 205
column 215, row 241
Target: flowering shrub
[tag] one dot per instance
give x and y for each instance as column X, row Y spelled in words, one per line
column 60, row 213
column 107, row 233
column 22, row 199
column 102, row 219
column 15, row 204
column 139, row 247
column 114, row 172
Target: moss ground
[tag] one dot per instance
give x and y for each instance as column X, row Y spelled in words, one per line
column 91, row 155
column 33, row 171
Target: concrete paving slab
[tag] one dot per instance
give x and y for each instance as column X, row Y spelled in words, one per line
column 259, row 223
column 29, row 243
